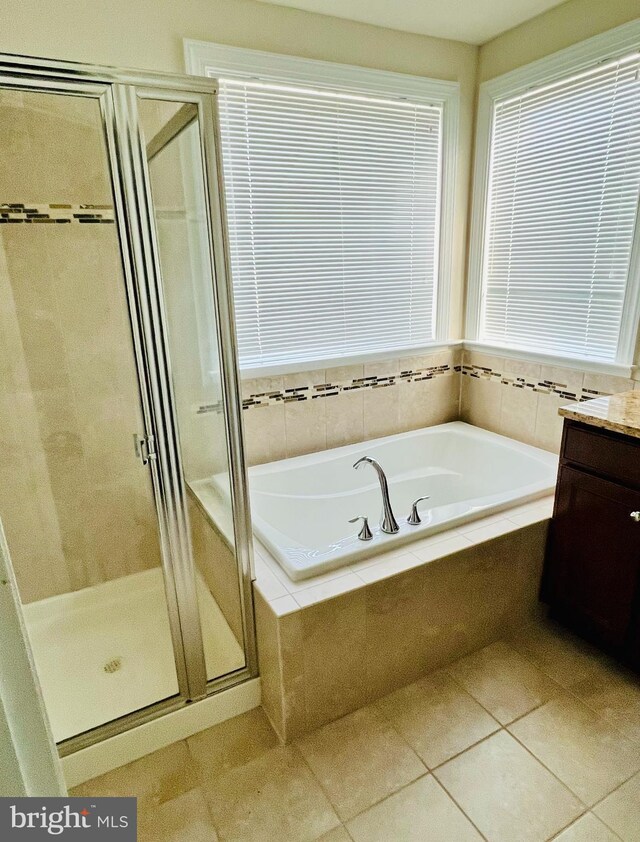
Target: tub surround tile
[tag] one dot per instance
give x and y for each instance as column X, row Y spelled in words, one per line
column 619, row 413
column 359, row 760
column 332, row 407
column 305, row 428
column 327, row 590
column 526, row 404
column 507, row 793
column 353, row 648
column 591, row 757
column 264, row 434
column 421, row 812
column 398, row 563
column 437, row 717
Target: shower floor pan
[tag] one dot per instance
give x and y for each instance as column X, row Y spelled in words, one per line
column 106, row 651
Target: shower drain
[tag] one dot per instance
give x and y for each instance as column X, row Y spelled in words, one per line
column 113, row 665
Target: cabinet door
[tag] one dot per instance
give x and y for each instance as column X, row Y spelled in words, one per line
column 594, row 556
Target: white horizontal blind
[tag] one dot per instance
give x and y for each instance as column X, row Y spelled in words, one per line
column 333, row 206
column 562, row 204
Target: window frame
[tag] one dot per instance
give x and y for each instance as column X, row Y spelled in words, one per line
column 602, row 48
column 219, row 60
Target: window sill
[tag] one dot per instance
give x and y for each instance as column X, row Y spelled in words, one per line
column 580, row 364
column 297, row 366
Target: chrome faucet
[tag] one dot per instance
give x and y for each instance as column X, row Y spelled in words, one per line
column 388, row 522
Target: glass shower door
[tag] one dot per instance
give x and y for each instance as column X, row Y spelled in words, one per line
column 76, row 502
column 172, row 136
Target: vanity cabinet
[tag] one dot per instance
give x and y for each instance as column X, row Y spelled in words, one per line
column 592, row 569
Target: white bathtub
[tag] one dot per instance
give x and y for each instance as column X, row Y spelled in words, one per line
column 301, row 506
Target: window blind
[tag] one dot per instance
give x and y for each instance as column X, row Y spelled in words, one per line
column 333, row 205
column 561, row 210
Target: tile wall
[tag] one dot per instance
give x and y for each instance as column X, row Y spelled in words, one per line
column 76, row 504
column 316, row 410
column 319, row 662
column 521, row 399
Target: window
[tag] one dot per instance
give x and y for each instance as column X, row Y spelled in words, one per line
column 556, row 264
column 334, row 196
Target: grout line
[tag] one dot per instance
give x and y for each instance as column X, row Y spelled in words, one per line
column 566, row 826
column 459, row 806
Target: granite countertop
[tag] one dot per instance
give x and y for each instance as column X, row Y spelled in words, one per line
column 620, row 413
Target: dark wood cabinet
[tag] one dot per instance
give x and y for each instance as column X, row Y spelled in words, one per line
column 592, row 570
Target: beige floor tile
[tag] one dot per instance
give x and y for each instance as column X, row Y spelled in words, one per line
column 183, row 819
column 232, row 743
column 590, row 756
column 504, row 682
column 421, row 812
column 338, row 834
column 437, row 717
column 563, row 657
column 588, row 828
column 506, row 793
column 614, row 693
column 154, row 779
column 274, row 797
column 621, row 810
column 359, row 760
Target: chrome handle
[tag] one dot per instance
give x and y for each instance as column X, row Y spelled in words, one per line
column 365, row 533
column 635, row 516
column 414, row 517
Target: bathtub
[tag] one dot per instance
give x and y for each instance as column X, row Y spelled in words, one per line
column 301, row 507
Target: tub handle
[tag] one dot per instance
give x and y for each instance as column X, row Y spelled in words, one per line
column 365, row 533
column 414, row 518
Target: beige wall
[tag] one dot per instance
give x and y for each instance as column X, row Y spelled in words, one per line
column 554, row 30
column 149, row 33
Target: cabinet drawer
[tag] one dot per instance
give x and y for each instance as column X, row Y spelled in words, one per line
column 601, row 452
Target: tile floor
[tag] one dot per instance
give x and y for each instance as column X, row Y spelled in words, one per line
column 532, row 738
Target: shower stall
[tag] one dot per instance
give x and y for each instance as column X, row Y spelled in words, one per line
column 119, row 392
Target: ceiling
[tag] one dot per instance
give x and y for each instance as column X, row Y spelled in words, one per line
column 473, row 21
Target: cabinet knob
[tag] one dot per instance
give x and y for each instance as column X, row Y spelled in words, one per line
column 635, row 516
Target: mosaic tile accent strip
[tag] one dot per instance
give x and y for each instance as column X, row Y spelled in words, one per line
column 55, row 213
column 329, row 390
column 545, row 387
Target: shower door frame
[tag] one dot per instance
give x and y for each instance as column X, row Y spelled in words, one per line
column 117, row 92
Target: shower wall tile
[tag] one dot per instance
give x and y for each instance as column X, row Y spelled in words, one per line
column 324, row 408
column 64, row 329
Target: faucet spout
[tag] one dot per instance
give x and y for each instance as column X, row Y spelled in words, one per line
column 388, row 523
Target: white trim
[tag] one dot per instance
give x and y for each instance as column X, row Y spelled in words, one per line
column 124, row 748
column 219, row 60
column 204, row 58
column 608, row 45
column 355, row 359
column 579, row 363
